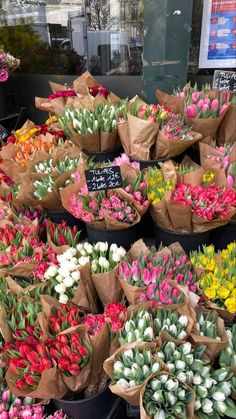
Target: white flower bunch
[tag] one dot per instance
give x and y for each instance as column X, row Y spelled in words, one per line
column 138, row 328
column 171, row 322
column 133, row 366
column 228, row 355
column 206, row 324
column 43, row 186
column 183, row 361
column 102, row 258
column 65, row 276
column 166, row 397
column 212, row 395
column 44, row 167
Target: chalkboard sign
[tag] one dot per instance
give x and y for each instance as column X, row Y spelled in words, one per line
column 3, row 133
column 225, row 80
column 105, row 178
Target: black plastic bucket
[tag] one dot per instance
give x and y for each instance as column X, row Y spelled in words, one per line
column 95, row 407
column 59, row 216
column 189, row 241
column 147, row 226
column 104, row 156
column 224, row 235
column 125, row 237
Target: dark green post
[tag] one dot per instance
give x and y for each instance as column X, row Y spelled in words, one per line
column 167, row 31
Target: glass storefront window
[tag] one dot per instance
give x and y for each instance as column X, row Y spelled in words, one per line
column 68, row 37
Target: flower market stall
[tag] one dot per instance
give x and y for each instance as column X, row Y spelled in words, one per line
column 118, row 257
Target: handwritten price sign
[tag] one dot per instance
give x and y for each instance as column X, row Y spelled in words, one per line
column 225, row 80
column 102, row 179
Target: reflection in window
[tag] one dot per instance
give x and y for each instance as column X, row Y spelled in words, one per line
column 69, row 36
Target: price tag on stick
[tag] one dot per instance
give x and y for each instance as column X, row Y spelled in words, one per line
column 104, row 178
column 225, row 80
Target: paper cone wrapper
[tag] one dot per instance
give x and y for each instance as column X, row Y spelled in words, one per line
column 227, row 129
column 142, row 137
column 166, row 147
column 123, row 131
column 108, row 286
column 189, row 407
column 213, row 346
column 205, row 126
column 131, row 395
column 100, row 345
column 175, row 104
column 200, row 225
column 108, row 141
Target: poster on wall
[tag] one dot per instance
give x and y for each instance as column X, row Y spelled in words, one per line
column 218, row 36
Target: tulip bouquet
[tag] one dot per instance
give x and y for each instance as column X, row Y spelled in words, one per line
column 172, row 323
column 30, row 259
column 124, row 159
column 73, row 178
column 102, row 257
column 99, row 90
column 217, row 279
column 137, row 190
column 95, row 323
column 13, row 235
column 43, row 186
column 64, row 275
column 161, row 293
column 158, row 185
column 133, row 366
column 23, row 316
column 32, row 214
column 62, row 234
column 139, row 328
column 16, row 407
column 205, row 113
column 63, row 318
column 92, row 130
column 228, row 355
column 206, row 324
column 165, row 397
column 222, row 157
column 184, row 361
column 61, row 166
column 115, row 314
column 96, row 206
column 104, row 261
column 155, row 113
column 62, row 93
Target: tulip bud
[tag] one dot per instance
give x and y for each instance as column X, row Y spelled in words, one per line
column 155, row 367
column 171, row 366
column 181, row 394
column 197, row 379
column 160, row 414
column 157, row 396
column 186, row 348
column 148, row 333
column 225, row 387
column 118, row 367
column 183, row 320
column 123, row 383
column 171, row 384
column 207, row 406
column 201, row 391
column 189, row 359
column 197, row 405
column 220, row 407
column 171, row 399
column 182, row 376
column 218, row 396
column 155, row 384
column 180, row 365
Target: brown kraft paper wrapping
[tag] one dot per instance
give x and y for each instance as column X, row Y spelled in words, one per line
column 160, row 214
column 4, row 328
column 82, row 83
column 100, row 345
column 227, row 129
column 48, row 202
column 132, row 293
column 189, row 407
column 25, row 270
column 112, row 224
column 166, row 147
column 180, row 216
column 85, row 142
column 50, row 385
column 108, row 141
column 131, row 395
column 205, row 126
column 123, row 131
column 79, row 382
column 86, row 279
column 108, row 286
column 213, row 346
column 142, row 137
column 175, row 104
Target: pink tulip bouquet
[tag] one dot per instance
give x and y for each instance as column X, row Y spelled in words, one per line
column 205, row 113
column 220, row 158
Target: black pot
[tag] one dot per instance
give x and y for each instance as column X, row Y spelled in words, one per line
column 125, row 237
column 188, row 241
column 104, row 156
column 2, row 101
column 59, row 216
column 147, row 226
column 96, row 407
column 222, row 236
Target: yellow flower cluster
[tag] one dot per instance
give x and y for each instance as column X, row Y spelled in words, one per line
column 50, row 120
column 157, row 185
column 23, row 137
column 208, row 177
column 218, row 281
